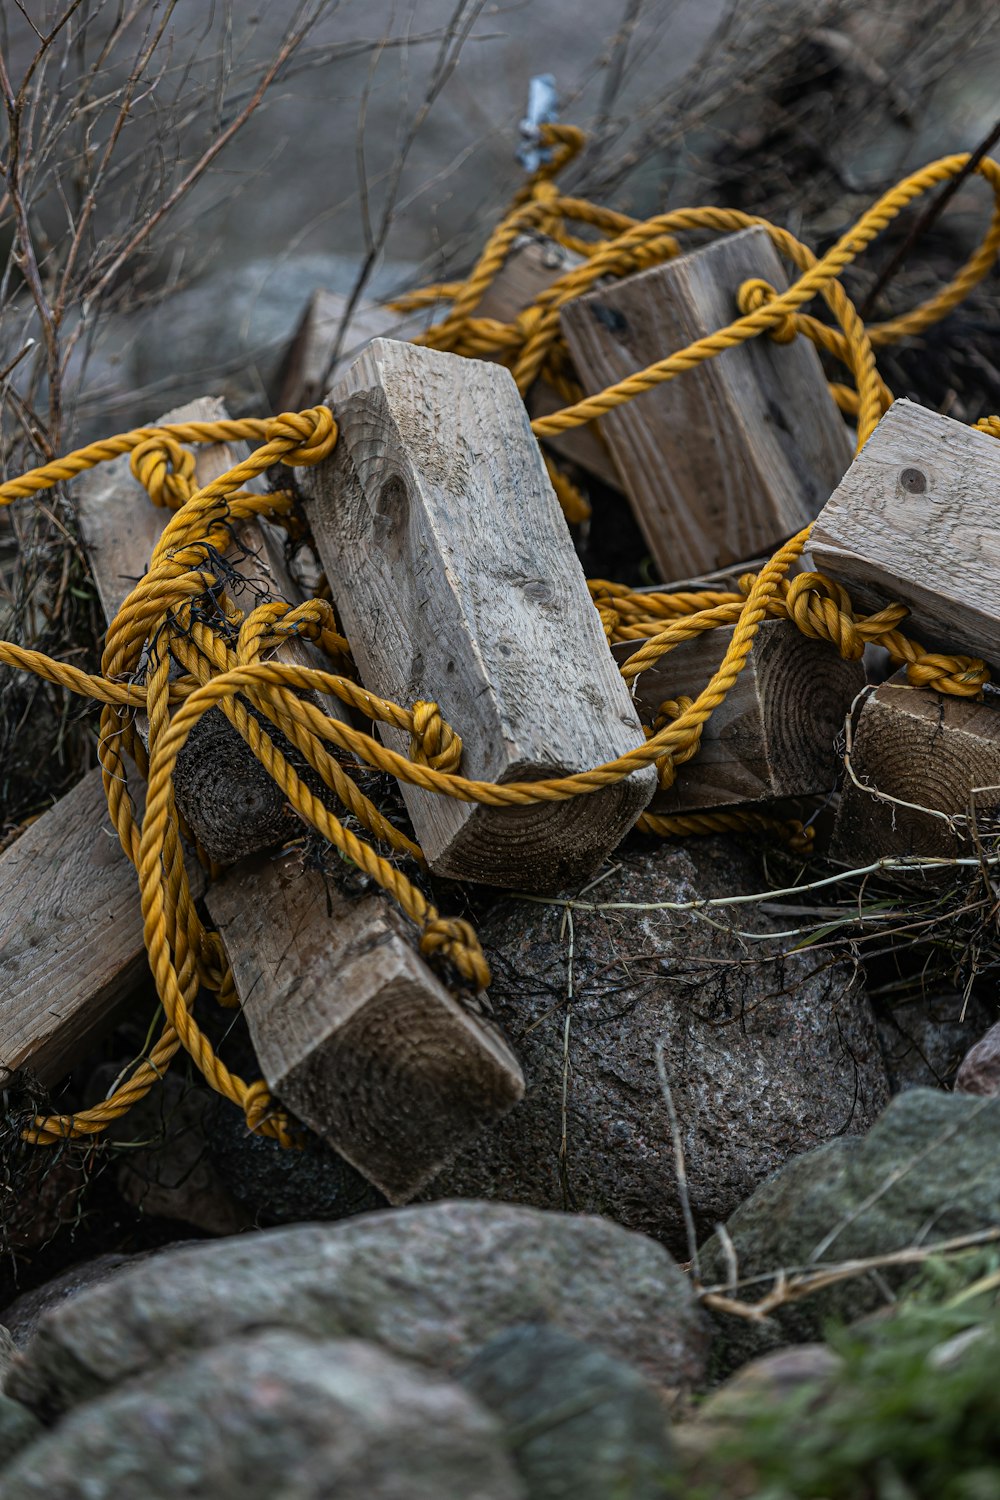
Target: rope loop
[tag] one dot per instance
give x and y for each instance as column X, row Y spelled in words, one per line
column 756, row 294
column 263, row 1115
column 454, row 941
column 308, row 436
column 433, row 742
column 822, row 609
column 165, row 469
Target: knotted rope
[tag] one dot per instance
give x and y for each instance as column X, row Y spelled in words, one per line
column 222, row 652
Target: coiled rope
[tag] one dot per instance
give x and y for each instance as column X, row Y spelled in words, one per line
column 222, row 651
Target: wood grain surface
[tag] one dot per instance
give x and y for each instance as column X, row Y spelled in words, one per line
column 456, row 579
column 773, row 735
column 916, row 755
column 916, row 521
column 352, row 1030
column 70, row 934
column 727, row 460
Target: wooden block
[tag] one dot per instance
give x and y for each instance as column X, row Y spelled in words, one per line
column 352, row 1031
column 773, row 736
column 70, row 935
column 456, row 579
column 222, row 790
column 534, row 263
column 727, row 460
column 915, row 521
column 301, row 381
column 928, row 755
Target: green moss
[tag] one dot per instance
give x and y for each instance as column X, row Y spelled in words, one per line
column 913, row 1413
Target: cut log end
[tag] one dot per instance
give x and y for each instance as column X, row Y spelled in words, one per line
column 353, row 1032
column 549, row 846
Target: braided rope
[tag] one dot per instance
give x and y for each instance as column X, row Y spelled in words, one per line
column 225, row 665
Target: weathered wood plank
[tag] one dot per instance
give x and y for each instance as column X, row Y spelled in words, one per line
column 729, row 459
column 774, row 734
column 301, row 380
column 456, row 579
column 353, row 1032
column 222, row 790
column 934, row 759
column 534, row 263
column 915, row 520
column 70, row 934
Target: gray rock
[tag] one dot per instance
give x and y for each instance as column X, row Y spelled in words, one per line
column 578, row 1422
column 275, row 1414
column 766, row 1056
column 21, row 1316
column 18, row 1428
column 925, row 1172
column 772, row 1379
column 980, row 1069
column 432, row 1283
column 924, row 1040
column 278, row 1186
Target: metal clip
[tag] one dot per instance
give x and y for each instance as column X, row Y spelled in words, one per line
column 543, row 109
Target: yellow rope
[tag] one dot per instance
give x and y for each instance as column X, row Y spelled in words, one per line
column 225, row 665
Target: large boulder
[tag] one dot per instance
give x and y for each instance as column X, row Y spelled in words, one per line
column 927, row 1171
column 432, row 1283
column 766, row 1054
column 579, row 1423
column 274, row 1414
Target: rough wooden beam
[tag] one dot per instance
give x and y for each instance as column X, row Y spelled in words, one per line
column 222, row 790
column 534, row 263
column 70, row 935
column 456, row 579
column 353, row 1032
column 774, row 735
column 916, row 520
column 304, row 376
column 924, row 769
column 729, row 459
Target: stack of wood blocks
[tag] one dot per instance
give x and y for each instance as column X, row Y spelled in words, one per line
column 455, row 576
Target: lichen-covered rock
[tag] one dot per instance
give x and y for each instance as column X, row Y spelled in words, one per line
column 274, row 1414
column 925, row 1172
column 431, row 1283
column 766, row 1056
column 578, row 1422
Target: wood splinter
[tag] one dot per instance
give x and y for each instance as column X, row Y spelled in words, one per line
column 457, row 583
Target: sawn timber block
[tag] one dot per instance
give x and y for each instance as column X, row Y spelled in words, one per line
column 924, row 774
column 456, row 579
column 916, row 521
column 730, row 458
column 306, row 372
column 533, row 264
column 227, row 798
column 71, row 946
column 354, row 1033
column 774, row 734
